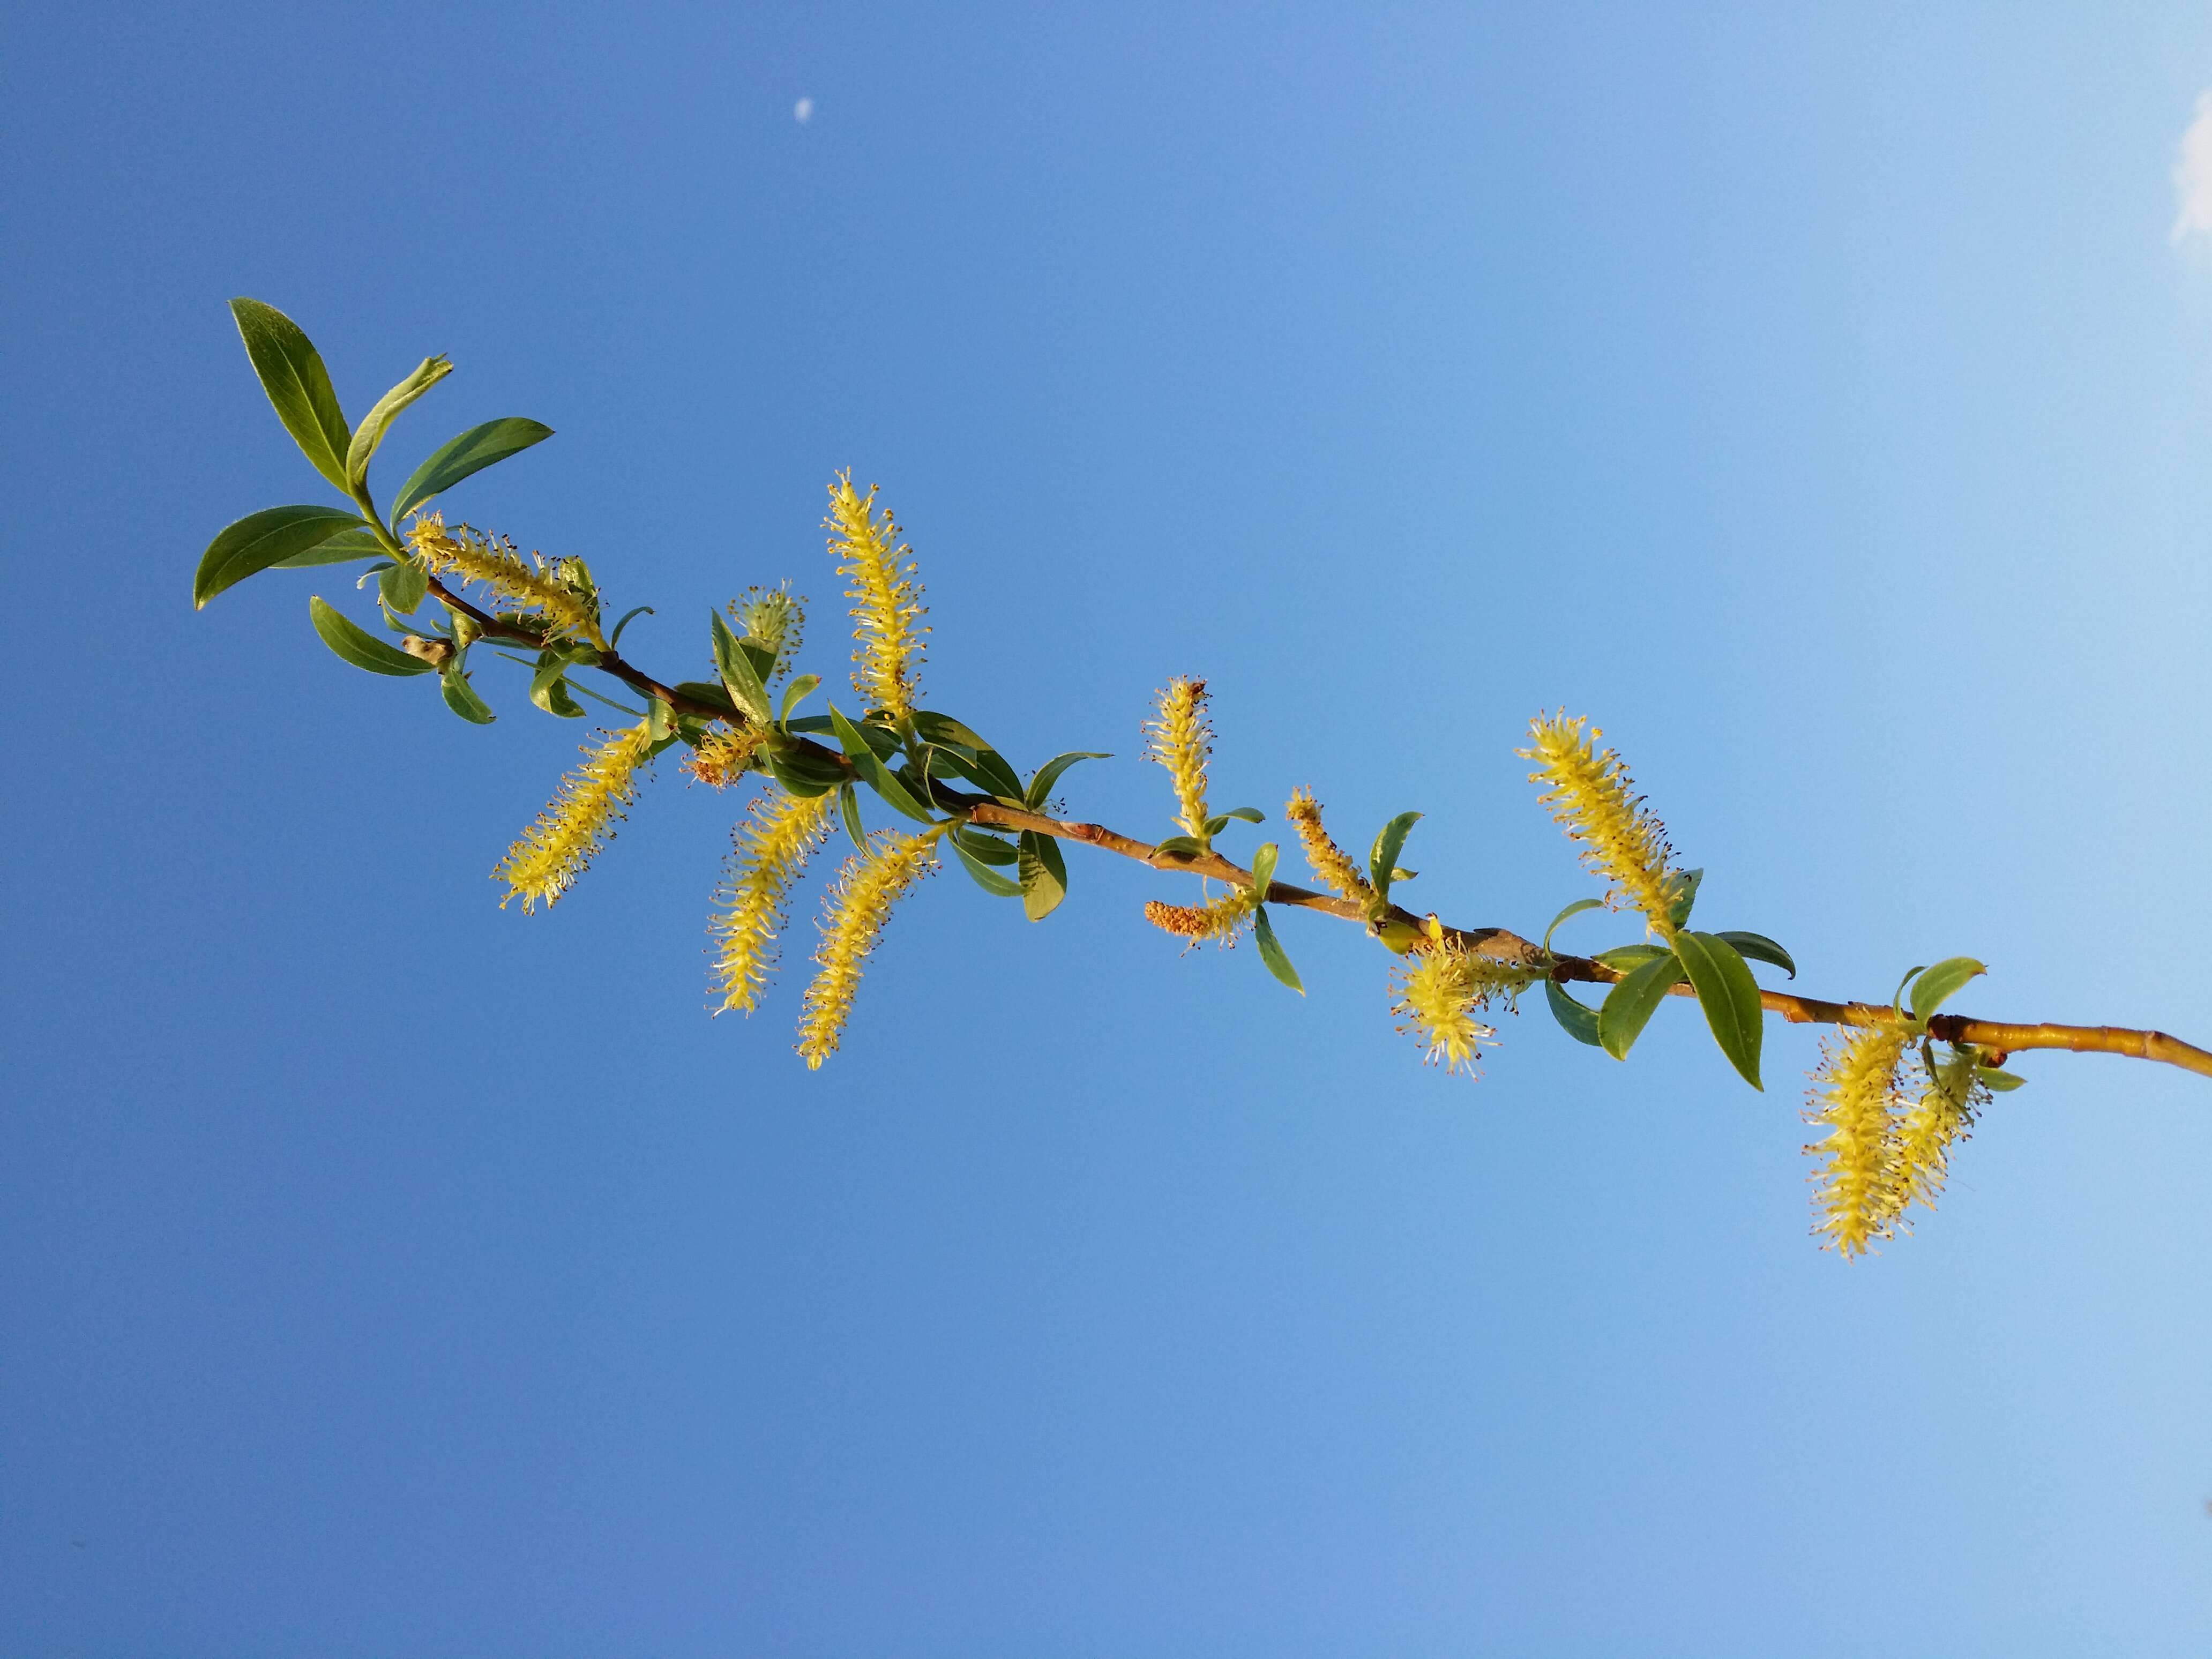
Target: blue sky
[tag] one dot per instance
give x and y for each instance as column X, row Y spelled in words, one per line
column 1817, row 401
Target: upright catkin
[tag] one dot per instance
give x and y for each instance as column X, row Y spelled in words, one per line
column 1323, row 856
column 870, row 884
column 1590, row 795
column 773, row 845
column 554, row 851
column 1179, row 738
column 886, row 596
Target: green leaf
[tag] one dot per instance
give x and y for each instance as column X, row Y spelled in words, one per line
column 1044, row 875
column 1250, row 814
column 660, row 721
column 551, row 692
column 1382, row 861
column 1000, row 778
column 264, row 538
column 1577, row 1021
column 473, row 451
column 356, row 542
column 298, row 386
column 359, row 646
column 1187, row 846
column 872, row 771
column 404, row 586
column 985, row 877
column 1624, row 957
column 1938, row 985
column 988, row 848
column 848, row 803
column 1040, row 789
column 628, row 617
column 1574, row 910
column 1730, row 996
column 737, row 671
column 374, row 424
column 794, row 694
column 799, row 772
column 943, row 728
column 1759, row 948
column 708, row 692
column 2003, row 1082
column 1629, row 1005
column 1682, row 895
column 460, row 696
column 1264, row 859
column 1272, row 953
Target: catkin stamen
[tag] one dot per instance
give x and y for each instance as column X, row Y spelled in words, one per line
column 871, row 883
column 1179, row 739
column 1855, row 1096
column 774, row 843
column 554, row 851
column 1222, row 919
column 1590, row 795
column 492, row 562
column 1326, row 858
column 886, row 596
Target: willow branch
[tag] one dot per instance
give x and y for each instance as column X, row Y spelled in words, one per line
column 1499, row 944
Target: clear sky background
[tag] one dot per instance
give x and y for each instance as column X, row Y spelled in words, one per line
column 1822, row 403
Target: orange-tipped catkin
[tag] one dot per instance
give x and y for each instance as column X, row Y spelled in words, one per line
column 1221, row 919
column 1323, row 856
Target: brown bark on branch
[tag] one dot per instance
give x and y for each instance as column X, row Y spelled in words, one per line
column 1499, row 945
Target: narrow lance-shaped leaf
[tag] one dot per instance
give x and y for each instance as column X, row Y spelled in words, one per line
column 1272, row 951
column 1759, row 948
column 737, row 673
column 357, row 646
column 298, row 386
column 1730, row 996
column 1044, row 875
column 473, row 451
column 349, row 545
column 1574, row 910
column 1938, row 985
column 1382, row 861
column 362, row 447
column 1629, row 1005
column 872, row 769
column 1576, row 1020
column 1040, row 789
column 460, row 696
column 984, row 876
column 262, row 539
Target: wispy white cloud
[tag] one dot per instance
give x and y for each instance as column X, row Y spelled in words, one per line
column 2192, row 175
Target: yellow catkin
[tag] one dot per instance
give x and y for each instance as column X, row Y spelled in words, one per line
column 1221, row 919
column 492, row 562
column 774, row 618
column 887, row 608
column 1921, row 1141
column 1855, row 1096
column 1439, row 989
column 1181, row 740
column 725, row 754
column 1590, row 795
column 773, row 845
column 1326, row 858
column 557, row 849
column 870, row 884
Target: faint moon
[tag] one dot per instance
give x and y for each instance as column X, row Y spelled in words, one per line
column 803, row 111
